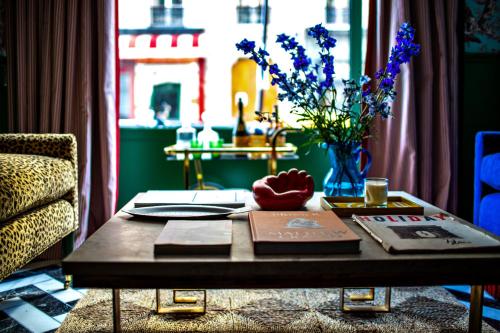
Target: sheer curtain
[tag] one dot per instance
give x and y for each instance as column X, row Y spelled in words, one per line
column 417, row 149
column 61, row 79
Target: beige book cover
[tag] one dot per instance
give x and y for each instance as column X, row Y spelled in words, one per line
column 301, row 232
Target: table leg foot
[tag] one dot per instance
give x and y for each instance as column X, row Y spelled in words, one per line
column 198, row 310
column 67, row 281
column 116, row 311
column 370, row 296
column 476, row 309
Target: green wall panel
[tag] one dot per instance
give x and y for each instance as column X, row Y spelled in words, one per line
column 143, row 165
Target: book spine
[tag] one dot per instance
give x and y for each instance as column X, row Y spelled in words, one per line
column 368, row 230
column 252, row 228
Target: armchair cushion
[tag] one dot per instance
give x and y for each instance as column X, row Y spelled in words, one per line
column 489, row 212
column 24, row 238
column 28, row 181
column 38, row 195
column 490, row 170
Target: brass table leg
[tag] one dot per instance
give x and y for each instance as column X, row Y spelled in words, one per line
column 67, row 281
column 116, row 311
column 370, row 296
column 272, row 165
column 199, row 173
column 182, row 300
column 186, row 170
column 476, row 309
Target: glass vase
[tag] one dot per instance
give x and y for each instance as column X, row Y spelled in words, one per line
column 345, row 177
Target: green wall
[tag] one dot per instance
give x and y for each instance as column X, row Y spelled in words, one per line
column 143, row 165
column 480, row 112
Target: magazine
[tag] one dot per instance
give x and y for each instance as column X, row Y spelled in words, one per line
column 425, row 233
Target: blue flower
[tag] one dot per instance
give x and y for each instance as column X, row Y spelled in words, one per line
column 281, row 38
column 246, row 46
column 274, row 69
column 406, row 31
column 310, row 87
column 322, row 36
column 329, row 42
column 287, row 43
column 318, row 31
column 300, row 60
column 364, row 79
column 262, row 53
column 311, row 77
column 386, row 84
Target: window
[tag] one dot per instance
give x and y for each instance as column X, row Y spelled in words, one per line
column 178, row 57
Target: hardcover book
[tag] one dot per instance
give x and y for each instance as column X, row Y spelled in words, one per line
column 301, row 232
column 425, row 233
column 223, row 198
column 195, row 237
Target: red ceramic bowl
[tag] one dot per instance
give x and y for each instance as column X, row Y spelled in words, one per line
column 286, row 191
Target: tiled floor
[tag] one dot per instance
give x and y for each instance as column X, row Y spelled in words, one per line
column 35, row 301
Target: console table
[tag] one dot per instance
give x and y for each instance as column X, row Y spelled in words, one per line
column 271, row 152
column 120, row 255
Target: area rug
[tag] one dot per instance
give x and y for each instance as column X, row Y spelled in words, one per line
column 423, row 309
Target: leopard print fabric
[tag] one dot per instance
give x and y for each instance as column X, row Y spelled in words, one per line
column 29, row 181
column 51, row 145
column 27, row 235
column 24, row 238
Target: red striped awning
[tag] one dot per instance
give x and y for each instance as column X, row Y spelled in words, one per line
column 159, row 41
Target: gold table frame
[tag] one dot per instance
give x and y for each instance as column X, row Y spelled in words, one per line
column 272, row 151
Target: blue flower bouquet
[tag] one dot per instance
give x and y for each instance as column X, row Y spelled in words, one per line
column 335, row 122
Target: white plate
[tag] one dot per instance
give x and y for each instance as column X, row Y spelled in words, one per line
column 185, row 212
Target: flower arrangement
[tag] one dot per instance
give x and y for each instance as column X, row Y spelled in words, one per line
column 311, row 89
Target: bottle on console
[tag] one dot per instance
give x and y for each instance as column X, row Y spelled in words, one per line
column 241, row 136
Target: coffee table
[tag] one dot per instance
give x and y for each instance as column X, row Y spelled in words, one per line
column 120, row 255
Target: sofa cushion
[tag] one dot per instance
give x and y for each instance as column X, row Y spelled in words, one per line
column 26, row 236
column 489, row 211
column 490, row 170
column 28, row 181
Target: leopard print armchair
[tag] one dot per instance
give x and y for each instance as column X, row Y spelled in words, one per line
column 38, row 196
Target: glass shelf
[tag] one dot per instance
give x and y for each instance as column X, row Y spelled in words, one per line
column 229, row 152
column 230, row 149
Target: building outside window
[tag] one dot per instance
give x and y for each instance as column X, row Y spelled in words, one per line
column 178, row 57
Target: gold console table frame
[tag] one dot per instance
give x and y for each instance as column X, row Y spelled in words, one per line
column 230, row 149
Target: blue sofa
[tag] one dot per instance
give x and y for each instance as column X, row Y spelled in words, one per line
column 487, row 186
column 487, row 181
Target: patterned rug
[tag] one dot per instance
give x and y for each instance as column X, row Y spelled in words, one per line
column 425, row 309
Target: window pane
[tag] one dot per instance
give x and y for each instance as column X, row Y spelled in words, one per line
column 191, row 43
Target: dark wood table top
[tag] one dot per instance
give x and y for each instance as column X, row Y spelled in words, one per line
column 120, row 255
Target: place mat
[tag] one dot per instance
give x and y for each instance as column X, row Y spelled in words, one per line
column 422, row 309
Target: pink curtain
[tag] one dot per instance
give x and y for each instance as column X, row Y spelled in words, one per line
column 417, row 148
column 61, row 79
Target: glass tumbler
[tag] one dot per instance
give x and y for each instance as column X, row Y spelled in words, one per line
column 376, row 192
